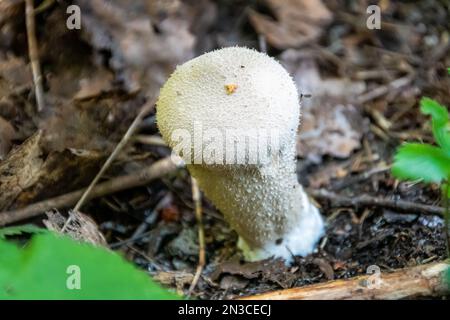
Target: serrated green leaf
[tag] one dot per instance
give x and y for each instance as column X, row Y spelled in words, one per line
column 42, row 270
column 421, row 161
column 439, row 121
column 18, row 230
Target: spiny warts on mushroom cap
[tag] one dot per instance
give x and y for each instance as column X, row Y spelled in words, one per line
column 262, row 94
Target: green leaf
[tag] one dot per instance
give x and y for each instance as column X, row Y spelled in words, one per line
column 18, row 230
column 421, row 161
column 439, row 121
column 50, row 267
column 448, row 278
column 10, row 258
column 445, row 188
column 448, row 70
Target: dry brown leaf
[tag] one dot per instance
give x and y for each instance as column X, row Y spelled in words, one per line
column 15, row 77
column 7, row 134
column 62, row 171
column 15, row 72
column 298, row 22
column 9, row 8
column 170, row 213
column 94, row 87
column 29, row 173
column 20, row 170
column 81, row 227
column 322, row 177
column 178, row 278
column 273, row 270
column 331, row 129
column 232, row 282
column 140, row 56
column 15, row 84
column 325, row 267
column 331, row 123
column 90, row 124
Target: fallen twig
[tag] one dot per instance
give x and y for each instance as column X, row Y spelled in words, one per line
column 424, row 280
column 152, row 216
column 365, row 200
column 360, row 177
column 150, row 140
column 196, row 197
column 136, row 179
column 382, row 90
column 34, row 55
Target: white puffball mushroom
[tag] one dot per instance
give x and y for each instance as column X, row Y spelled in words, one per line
column 238, row 95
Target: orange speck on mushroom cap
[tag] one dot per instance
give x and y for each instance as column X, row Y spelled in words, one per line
column 230, row 88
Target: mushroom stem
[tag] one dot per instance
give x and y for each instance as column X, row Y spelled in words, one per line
column 266, row 206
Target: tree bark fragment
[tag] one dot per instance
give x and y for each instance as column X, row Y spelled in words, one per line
column 420, row 281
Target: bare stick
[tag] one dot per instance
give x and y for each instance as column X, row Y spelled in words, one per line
column 262, row 43
column 360, row 177
column 150, row 140
column 136, row 179
column 365, row 200
column 34, row 55
column 424, row 280
column 382, row 90
column 196, row 197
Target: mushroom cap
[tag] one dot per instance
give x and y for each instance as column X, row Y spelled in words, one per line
column 230, row 88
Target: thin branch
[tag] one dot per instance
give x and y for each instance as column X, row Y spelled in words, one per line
column 150, row 140
column 262, row 43
column 365, row 200
column 136, row 179
column 33, row 52
column 420, row 281
column 360, row 177
column 382, row 90
column 196, row 197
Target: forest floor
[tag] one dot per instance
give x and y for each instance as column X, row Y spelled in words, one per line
column 365, row 87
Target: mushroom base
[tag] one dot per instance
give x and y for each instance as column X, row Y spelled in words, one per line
column 299, row 241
